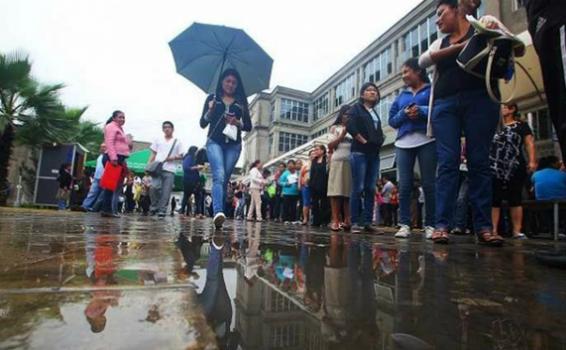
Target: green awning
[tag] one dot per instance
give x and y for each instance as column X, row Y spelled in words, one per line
column 137, row 162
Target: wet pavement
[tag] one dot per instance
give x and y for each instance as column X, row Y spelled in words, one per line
column 78, row 281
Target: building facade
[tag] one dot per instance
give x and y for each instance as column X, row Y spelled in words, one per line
column 286, row 118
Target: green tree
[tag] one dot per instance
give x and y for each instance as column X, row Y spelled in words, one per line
column 24, row 103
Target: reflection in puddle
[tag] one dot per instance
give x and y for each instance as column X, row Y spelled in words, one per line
column 77, row 281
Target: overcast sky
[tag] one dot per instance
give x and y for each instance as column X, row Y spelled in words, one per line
column 115, row 54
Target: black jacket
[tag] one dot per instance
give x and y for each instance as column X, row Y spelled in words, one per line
column 216, row 120
column 362, row 123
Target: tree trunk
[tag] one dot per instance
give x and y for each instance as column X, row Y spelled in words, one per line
column 6, row 145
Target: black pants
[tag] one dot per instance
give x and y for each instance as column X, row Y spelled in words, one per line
column 548, row 46
column 188, row 191
column 290, row 208
column 320, row 208
column 145, row 203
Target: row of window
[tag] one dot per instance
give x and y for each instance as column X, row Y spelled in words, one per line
column 320, row 107
column 289, row 141
column 345, row 90
column 419, row 38
column 379, row 68
column 294, row 110
column 319, row 133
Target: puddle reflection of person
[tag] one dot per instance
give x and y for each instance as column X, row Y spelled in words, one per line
column 100, row 251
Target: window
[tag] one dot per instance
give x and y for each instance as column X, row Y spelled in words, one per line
column 320, row 107
column 419, row 38
column 380, row 67
column 383, row 108
column 542, row 125
column 319, row 133
column 345, row 90
column 289, row 141
column 270, row 145
column 294, row 110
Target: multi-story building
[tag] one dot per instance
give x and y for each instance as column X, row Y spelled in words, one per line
column 286, row 118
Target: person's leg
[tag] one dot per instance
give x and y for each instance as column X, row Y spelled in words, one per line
column 293, row 207
column 370, row 182
column 92, row 195
column 286, row 208
column 167, row 183
column 481, row 116
column 346, row 211
column 116, row 197
column 216, row 160
column 335, row 206
column 495, row 215
column 428, row 165
column 358, row 162
column 447, row 126
column 315, row 207
column 231, row 155
column 517, row 219
column 461, row 215
column 252, row 205
column 258, row 203
column 405, row 166
column 155, row 193
column 552, row 56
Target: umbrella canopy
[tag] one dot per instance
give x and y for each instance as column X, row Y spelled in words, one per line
column 203, row 51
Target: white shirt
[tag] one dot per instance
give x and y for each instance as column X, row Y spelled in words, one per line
column 161, row 147
column 99, row 168
column 413, row 140
column 256, row 179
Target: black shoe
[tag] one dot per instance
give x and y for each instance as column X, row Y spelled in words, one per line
column 109, row 215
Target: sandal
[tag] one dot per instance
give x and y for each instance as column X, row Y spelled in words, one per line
column 490, row 239
column 440, row 237
column 334, row 227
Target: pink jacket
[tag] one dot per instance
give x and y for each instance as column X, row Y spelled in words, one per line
column 116, row 141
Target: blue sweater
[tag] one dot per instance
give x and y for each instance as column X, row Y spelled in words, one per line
column 399, row 120
column 190, row 176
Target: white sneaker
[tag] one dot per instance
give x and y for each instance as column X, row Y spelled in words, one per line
column 219, row 220
column 404, row 232
column 429, row 230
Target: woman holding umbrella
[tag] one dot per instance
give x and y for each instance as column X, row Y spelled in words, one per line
column 227, row 115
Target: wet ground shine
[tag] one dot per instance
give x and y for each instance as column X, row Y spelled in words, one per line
column 78, row 281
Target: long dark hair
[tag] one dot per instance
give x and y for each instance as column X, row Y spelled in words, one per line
column 114, row 115
column 191, row 152
column 240, row 94
column 254, row 164
column 413, row 64
column 343, row 110
column 201, row 156
column 364, row 87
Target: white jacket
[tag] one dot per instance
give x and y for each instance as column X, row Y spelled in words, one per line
column 256, row 179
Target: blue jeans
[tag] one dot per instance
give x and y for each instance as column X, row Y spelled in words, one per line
column 474, row 114
column 93, row 194
column 461, row 216
column 365, row 169
column 222, row 159
column 406, row 157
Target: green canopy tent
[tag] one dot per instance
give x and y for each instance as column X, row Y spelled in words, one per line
column 137, row 162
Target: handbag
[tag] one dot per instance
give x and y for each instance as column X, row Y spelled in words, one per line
column 231, row 132
column 156, row 167
column 111, row 176
column 490, row 54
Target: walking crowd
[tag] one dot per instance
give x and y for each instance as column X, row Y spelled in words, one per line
column 473, row 157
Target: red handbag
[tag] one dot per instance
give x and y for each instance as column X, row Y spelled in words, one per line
column 111, row 176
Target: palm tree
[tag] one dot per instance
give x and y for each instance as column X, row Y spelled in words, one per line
column 24, row 103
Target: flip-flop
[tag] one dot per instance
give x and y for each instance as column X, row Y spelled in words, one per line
column 440, row 237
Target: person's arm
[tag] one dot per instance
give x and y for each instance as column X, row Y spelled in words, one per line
column 334, row 143
column 435, row 54
column 530, row 146
column 110, row 142
column 152, row 157
column 207, row 111
column 397, row 115
column 246, row 120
